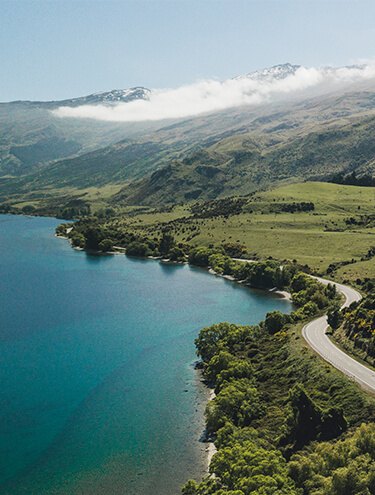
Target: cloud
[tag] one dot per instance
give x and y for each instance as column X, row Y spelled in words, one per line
column 210, row 95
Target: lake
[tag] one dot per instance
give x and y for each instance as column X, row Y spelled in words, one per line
column 99, row 394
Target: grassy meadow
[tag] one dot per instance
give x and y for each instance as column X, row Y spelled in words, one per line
column 341, row 228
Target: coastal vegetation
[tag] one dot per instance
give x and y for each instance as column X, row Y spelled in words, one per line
column 282, row 420
column 326, row 228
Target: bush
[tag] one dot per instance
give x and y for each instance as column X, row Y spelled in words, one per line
column 274, row 321
column 176, row 254
column 78, row 240
column 105, row 245
column 139, row 249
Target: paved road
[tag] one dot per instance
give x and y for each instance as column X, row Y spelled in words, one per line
column 315, row 335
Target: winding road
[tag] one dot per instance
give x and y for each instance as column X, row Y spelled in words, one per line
column 315, row 335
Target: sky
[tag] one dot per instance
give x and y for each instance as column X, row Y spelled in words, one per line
column 57, row 49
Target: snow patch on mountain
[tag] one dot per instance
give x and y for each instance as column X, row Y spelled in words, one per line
column 109, row 97
column 260, row 87
column 272, row 73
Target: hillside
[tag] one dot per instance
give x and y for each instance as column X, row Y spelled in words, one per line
column 243, row 164
column 31, row 136
column 226, row 153
column 328, row 227
column 47, row 161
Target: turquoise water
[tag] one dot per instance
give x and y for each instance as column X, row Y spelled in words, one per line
column 98, row 389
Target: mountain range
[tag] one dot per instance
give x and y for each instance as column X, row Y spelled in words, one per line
column 310, row 135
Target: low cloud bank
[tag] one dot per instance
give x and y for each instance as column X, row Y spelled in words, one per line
column 209, row 96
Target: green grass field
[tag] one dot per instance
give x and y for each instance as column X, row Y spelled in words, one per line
column 316, row 238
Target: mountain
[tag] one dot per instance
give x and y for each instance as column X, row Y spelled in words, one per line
column 102, row 98
column 31, row 136
column 240, row 165
column 271, row 74
column 218, row 154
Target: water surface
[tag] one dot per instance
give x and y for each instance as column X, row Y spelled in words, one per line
column 98, row 389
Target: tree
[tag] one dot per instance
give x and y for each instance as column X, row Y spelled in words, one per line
column 105, row 245
column 200, row 256
column 252, row 470
column 238, row 402
column 166, row 244
column 78, row 240
column 274, row 321
column 93, row 236
column 305, row 419
column 140, row 249
column 176, row 254
column 300, row 281
column 334, row 318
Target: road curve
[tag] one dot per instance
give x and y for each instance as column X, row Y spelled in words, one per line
column 315, row 335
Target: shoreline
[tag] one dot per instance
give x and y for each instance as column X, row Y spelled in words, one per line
column 282, row 293
column 209, row 448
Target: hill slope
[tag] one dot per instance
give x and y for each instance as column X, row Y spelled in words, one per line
column 247, row 147
column 240, row 165
column 218, row 154
column 32, row 136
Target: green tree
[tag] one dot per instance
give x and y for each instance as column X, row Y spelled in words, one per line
column 166, row 244
column 238, row 402
column 78, row 240
column 105, row 245
column 305, row 419
column 334, row 318
column 274, row 321
column 176, row 254
column 93, row 236
column 139, row 249
column 252, row 470
column 300, row 281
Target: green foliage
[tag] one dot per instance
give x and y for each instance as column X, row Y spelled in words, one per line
column 274, row 321
column 93, row 236
column 221, row 263
column 307, row 421
column 235, row 249
column 267, row 409
column 235, row 370
column 359, row 324
column 306, row 289
column 252, row 470
column 334, row 318
column 218, row 363
column 237, row 402
column 311, row 296
column 300, row 282
column 139, row 249
column 167, row 242
column 223, row 336
column 7, row 208
column 266, row 274
column 78, row 240
column 346, row 467
column 62, row 228
column 200, row 256
column 176, row 254
column 105, row 245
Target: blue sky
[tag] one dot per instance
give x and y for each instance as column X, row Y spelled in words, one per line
column 65, row 48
